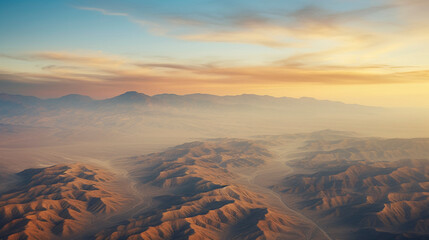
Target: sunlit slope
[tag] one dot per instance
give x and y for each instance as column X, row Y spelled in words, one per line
column 57, row 202
column 203, row 200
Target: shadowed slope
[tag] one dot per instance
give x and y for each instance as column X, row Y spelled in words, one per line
column 391, row 197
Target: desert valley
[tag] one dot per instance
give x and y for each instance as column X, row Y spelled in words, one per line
column 63, row 179
column 214, row 119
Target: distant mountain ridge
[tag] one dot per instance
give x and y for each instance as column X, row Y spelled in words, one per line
column 133, row 97
column 196, row 113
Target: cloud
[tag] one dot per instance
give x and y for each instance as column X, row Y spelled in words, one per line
column 321, row 44
column 103, row 11
column 14, row 57
column 100, row 76
column 104, row 69
column 238, row 37
column 382, row 42
column 166, row 66
column 83, row 59
column 274, row 26
column 375, row 32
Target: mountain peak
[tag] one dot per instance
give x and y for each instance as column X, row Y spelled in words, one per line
column 131, row 92
column 131, row 96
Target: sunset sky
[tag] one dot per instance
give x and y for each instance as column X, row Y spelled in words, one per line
column 372, row 52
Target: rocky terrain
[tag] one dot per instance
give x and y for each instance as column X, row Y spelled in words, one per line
column 376, row 187
column 319, row 185
column 57, row 202
column 204, row 201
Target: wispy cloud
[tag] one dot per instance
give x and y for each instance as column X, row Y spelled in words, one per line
column 102, row 76
column 104, row 11
column 372, row 32
column 270, row 45
column 80, row 59
column 109, row 69
column 272, row 27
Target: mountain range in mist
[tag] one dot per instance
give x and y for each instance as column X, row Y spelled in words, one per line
column 203, row 115
column 17, row 102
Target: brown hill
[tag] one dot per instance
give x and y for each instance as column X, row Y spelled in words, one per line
column 387, row 197
column 202, row 198
column 56, row 202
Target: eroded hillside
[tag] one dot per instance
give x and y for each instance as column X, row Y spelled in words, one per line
column 203, row 200
column 320, row 185
column 57, row 202
column 378, row 188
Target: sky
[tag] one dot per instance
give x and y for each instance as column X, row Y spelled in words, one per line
column 366, row 52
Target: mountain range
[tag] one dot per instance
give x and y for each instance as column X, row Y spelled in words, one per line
column 172, row 100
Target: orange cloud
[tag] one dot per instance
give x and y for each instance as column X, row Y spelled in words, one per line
column 104, row 76
column 113, row 69
column 81, row 59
